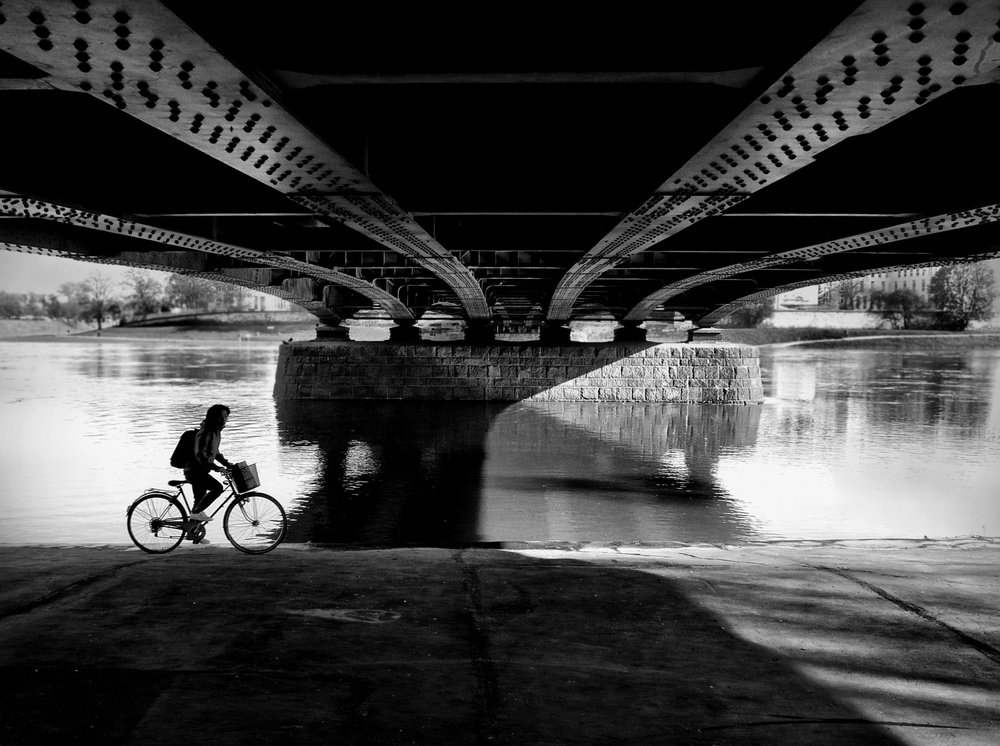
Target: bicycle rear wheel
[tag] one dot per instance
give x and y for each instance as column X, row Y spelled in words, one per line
column 155, row 523
column 255, row 523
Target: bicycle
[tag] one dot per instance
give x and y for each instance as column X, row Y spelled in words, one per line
column 158, row 520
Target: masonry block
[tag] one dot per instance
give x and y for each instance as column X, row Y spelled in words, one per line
column 625, row 372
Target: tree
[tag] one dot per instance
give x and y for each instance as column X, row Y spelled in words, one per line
column 899, row 308
column 851, row 292
column 190, row 293
column 96, row 298
column 196, row 293
column 963, row 293
column 146, row 293
column 10, row 306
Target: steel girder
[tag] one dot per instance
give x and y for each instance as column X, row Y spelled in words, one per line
column 883, row 62
column 142, row 59
column 30, row 208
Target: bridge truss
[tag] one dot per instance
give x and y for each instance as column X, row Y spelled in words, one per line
column 523, row 169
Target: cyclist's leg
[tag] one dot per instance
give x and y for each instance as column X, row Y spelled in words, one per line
column 205, row 487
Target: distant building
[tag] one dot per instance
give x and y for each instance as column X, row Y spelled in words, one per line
column 264, row 302
column 855, row 294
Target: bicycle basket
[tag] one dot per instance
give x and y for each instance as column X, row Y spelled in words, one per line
column 245, row 476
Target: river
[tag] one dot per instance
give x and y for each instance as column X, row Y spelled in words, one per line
column 849, row 444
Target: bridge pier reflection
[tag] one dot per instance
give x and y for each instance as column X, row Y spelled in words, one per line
column 435, row 474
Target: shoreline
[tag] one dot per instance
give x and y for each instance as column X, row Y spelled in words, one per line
column 969, row 541
column 762, row 338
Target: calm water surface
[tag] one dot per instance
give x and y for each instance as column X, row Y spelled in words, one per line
column 849, row 444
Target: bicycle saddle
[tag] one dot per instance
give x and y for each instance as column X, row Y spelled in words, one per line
column 177, row 482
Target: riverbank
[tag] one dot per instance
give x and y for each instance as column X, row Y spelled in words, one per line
column 863, row 338
column 853, row 642
column 266, row 333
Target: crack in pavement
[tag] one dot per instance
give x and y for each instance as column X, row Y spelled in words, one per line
column 979, row 646
column 64, row 592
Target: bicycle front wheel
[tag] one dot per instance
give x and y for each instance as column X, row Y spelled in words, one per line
column 155, row 523
column 255, row 523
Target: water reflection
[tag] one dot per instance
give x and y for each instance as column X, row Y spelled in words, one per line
column 444, row 474
column 849, row 444
column 389, row 473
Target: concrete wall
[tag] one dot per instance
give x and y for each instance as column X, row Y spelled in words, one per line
column 825, row 320
column 329, row 369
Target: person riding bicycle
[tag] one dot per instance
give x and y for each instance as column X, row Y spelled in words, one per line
column 198, row 470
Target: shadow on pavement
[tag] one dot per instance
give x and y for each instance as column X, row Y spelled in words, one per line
column 419, row 646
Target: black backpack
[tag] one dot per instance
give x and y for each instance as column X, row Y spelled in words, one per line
column 184, row 450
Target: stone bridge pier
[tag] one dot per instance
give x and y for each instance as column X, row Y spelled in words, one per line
column 716, row 373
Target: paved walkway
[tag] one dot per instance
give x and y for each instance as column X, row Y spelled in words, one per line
column 842, row 643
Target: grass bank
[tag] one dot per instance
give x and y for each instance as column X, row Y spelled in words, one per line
column 266, row 333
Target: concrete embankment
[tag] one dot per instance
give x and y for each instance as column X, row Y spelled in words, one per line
column 845, row 642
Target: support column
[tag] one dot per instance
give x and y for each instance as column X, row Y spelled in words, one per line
column 369, row 325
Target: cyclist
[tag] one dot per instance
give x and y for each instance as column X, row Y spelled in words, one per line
column 198, row 470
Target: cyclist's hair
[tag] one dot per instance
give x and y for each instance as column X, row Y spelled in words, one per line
column 215, row 410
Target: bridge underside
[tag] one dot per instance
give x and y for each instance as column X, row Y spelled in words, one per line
column 514, row 171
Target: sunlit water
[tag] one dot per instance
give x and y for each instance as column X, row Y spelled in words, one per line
column 849, row 444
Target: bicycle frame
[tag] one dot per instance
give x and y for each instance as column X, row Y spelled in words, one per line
column 257, row 527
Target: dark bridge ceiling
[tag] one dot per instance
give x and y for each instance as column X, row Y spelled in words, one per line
column 515, row 161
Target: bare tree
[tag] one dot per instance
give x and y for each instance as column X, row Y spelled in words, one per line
column 146, row 293
column 851, row 292
column 98, row 299
column 964, row 292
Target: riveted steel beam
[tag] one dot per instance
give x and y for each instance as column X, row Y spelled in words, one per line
column 142, row 59
column 717, row 314
column 31, row 208
column 901, row 232
column 884, row 61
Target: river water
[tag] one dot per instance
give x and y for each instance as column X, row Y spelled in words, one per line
column 849, row 444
